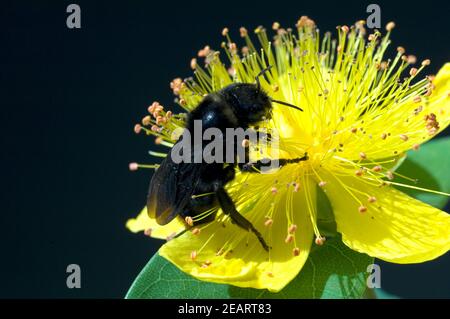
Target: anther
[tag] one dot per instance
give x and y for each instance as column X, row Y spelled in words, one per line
column 345, row 29
column 189, row 221
column 243, row 32
column 133, row 166
column 193, row 63
column 362, row 155
column 245, row 143
column 289, row 239
column 411, row 59
column 401, row 50
column 137, row 128
column 362, row 209
column 426, row 62
column 296, row 187
column 296, row 251
column 359, row 172
column 158, row 140
column 268, row 222
column 372, row 199
column 354, row 130
column 195, row 231
column 416, row 147
column 320, row 241
column 377, row 168
column 275, row 26
column 413, row 71
column 146, row 120
column 225, row 31
column 404, row 137
column 274, row 190
column 292, row 229
column 322, row 183
column 383, row 136
column 390, row 26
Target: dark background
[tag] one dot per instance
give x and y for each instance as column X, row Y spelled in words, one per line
column 70, row 98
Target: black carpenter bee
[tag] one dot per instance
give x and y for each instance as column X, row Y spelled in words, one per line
column 174, row 186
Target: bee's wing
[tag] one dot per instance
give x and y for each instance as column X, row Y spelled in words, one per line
column 171, row 189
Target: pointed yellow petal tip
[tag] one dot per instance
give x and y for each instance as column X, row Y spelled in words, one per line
column 151, row 228
column 394, row 228
column 442, row 80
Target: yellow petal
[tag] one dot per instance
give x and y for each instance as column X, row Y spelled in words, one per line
column 395, row 228
column 243, row 261
column 144, row 222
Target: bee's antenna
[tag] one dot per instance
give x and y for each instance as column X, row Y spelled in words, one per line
column 287, row 104
column 260, row 74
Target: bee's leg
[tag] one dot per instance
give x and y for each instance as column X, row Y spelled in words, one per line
column 255, row 167
column 229, row 208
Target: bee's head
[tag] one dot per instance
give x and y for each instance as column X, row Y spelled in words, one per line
column 250, row 104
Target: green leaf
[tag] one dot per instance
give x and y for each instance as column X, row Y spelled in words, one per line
column 430, row 167
column 333, row 271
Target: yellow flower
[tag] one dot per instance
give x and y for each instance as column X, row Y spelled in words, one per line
column 361, row 114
